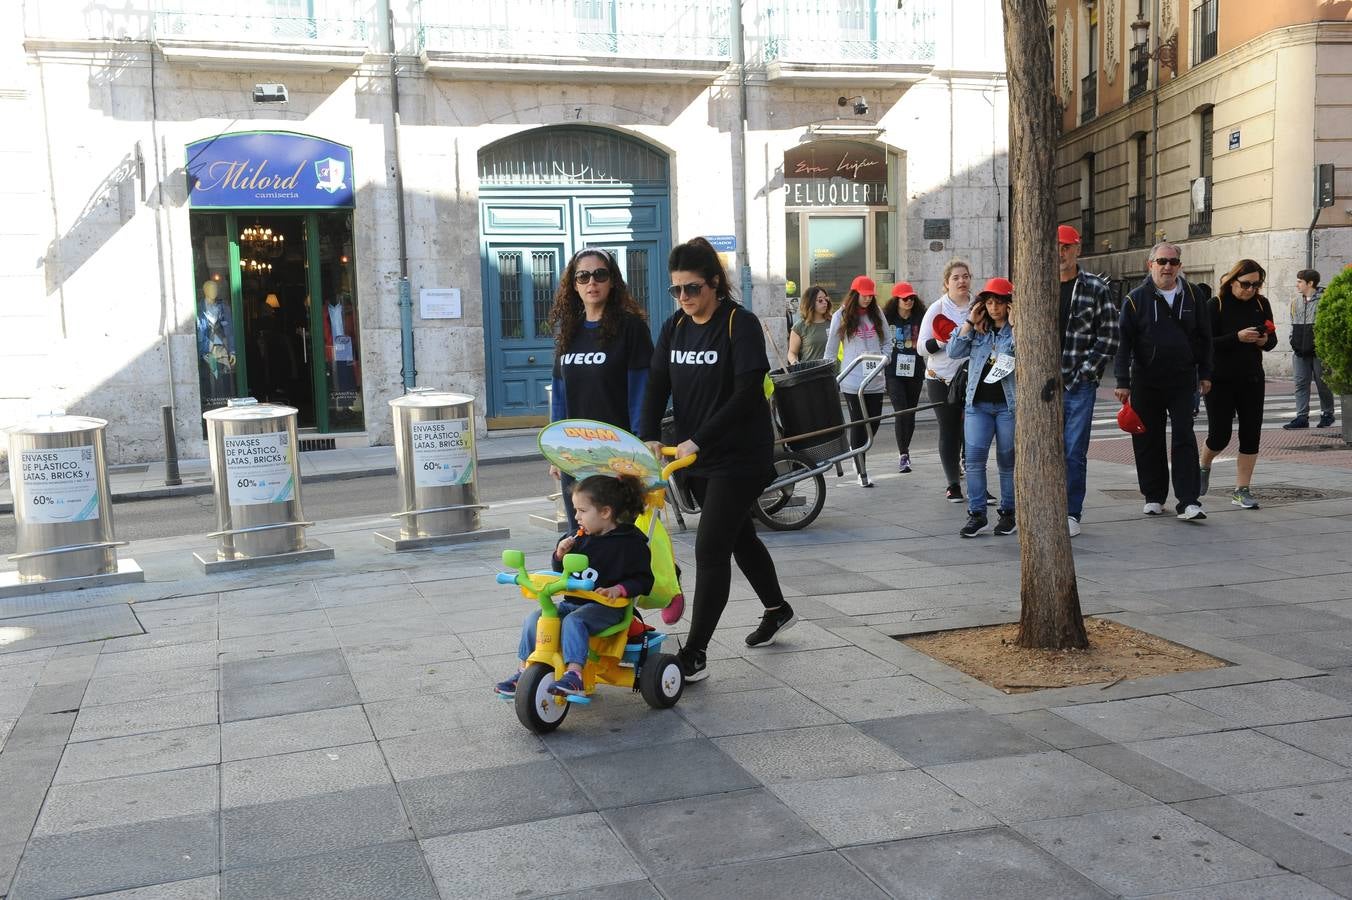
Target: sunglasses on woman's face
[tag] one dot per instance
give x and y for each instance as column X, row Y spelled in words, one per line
column 1252, row 284
column 582, row 276
column 690, row 290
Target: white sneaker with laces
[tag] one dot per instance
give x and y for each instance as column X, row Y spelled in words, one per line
column 1192, row 512
column 1073, row 524
column 1153, row 509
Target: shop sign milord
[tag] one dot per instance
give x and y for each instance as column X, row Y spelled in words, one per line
column 835, row 173
column 268, row 169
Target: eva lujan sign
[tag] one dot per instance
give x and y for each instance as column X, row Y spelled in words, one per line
column 835, row 173
column 268, row 169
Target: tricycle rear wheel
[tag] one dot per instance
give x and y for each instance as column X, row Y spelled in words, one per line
column 661, row 681
column 539, row 710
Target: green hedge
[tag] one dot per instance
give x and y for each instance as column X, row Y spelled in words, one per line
column 1333, row 333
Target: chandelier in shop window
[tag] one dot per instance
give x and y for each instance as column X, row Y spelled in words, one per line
column 256, row 237
column 254, row 266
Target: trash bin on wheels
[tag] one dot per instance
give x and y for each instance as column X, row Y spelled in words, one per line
column 255, row 475
column 807, row 399
column 63, row 512
column 437, row 467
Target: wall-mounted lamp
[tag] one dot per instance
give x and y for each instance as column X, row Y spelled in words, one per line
column 1166, row 52
column 860, row 105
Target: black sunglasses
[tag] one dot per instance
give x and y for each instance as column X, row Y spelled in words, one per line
column 1250, row 285
column 582, row 276
column 691, row 290
column 1168, row 261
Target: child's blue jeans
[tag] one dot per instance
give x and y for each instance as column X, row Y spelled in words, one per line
column 581, row 619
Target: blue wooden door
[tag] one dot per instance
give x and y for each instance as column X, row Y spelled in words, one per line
column 522, row 279
column 635, row 228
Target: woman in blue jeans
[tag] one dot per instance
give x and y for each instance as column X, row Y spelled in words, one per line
column 986, row 340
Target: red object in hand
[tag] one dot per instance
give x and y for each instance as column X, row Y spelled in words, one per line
column 1269, row 326
column 1128, row 421
column 943, row 328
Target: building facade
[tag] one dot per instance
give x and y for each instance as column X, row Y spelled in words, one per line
column 1205, row 123
column 183, row 235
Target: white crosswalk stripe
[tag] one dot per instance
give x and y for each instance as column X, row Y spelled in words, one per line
column 1277, row 411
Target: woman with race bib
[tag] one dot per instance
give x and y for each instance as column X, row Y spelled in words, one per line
column 710, row 362
column 944, row 316
column 860, row 328
column 602, row 350
column 905, row 369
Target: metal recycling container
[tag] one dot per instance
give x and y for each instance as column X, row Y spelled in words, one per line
column 808, row 399
column 255, row 474
column 63, row 511
column 436, row 463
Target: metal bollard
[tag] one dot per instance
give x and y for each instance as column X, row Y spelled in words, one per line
column 63, row 511
column 438, row 472
column 171, row 475
column 255, row 475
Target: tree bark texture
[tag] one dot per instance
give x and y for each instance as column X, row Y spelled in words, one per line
column 1050, row 614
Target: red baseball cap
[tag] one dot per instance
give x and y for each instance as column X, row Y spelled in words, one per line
column 903, row 289
column 1001, row 286
column 864, row 285
column 943, row 327
column 1128, row 421
column 1066, row 234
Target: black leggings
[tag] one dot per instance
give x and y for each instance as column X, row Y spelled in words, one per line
column 1223, row 402
column 726, row 532
column 950, row 428
column 905, row 394
column 873, row 403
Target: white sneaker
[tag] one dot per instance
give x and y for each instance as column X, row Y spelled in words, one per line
column 864, row 481
column 1073, row 524
column 1193, row 511
column 1153, row 509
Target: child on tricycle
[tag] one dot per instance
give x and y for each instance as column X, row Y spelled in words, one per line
column 620, row 564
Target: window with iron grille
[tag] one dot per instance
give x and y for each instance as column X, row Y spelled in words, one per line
column 1199, row 219
column 1205, row 19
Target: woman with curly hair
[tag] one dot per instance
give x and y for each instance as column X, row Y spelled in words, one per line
column 861, row 328
column 1241, row 332
column 602, row 350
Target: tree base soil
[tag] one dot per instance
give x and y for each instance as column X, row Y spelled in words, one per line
column 1116, row 653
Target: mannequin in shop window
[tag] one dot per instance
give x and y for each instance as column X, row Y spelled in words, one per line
column 340, row 349
column 216, row 344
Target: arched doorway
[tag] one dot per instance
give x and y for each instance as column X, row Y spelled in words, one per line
column 544, row 195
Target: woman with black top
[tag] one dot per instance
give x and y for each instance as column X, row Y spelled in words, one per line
column 1241, row 332
column 710, row 362
column 905, row 369
column 602, row 350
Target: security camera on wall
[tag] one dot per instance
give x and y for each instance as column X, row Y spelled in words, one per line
column 860, row 105
column 269, row 93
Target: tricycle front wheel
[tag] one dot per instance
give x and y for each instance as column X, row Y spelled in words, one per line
column 539, row 710
column 661, row 681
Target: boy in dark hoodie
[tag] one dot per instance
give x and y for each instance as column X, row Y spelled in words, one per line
column 1164, row 355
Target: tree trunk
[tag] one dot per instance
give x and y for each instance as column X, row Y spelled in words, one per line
column 1050, row 616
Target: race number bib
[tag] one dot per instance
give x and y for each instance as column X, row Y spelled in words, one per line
column 906, row 365
column 869, row 366
column 1003, row 365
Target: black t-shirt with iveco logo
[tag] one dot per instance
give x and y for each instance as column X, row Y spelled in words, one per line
column 596, row 377
column 702, row 363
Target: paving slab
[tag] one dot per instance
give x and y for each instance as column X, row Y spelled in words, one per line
column 131, row 799
column 1338, row 880
column 151, row 685
column 1277, row 887
column 679, row 836
column 613, row 722
column 1036, row 786
column 177, row 656
column 283, row 667
column 140, row 754
column 1322, row 810
column 1234, row 761
column 381, row 872
column 485, row 746
column 1143, row 773
column 1289, row 847
column 139, row 716
column 293, row 732
column 1057, row 731
column 395, row 682
column 629, row 890
column 747, row 711
column 990, row 863
column 267, row 779
column 952, row 736
column 663, row 772
column 1143, row 718
column 489, row 864
column 1146, row 850
column 193, row 889
column 806, row 754
column 281, row 698
column 1329, row 738
column 861, row 809
column 487, row 798
column 289, row 829
column 880, row 698
column 1267, row 703
column 811, row 875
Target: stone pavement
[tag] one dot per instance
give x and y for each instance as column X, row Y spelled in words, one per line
column 328, row 730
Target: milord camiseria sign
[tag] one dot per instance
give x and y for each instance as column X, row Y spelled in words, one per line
column 835, row 173
column 268, row 169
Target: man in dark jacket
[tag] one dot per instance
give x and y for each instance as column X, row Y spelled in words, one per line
column 1163, row 356
column 1304, row 364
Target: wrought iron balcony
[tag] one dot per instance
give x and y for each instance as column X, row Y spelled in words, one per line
column 1088, row 97
column 1199, row 215
column 203, row 22
column 1136, row 223
column 849, row 31
column 1205, row 20
column 1140, row 71
column 578, row 33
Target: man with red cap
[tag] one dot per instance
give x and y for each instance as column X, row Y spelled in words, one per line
column 1088, row 341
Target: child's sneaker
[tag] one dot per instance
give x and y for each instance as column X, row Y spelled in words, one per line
column 507, row 688
column 570, row 683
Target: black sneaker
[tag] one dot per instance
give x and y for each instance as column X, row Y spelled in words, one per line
column 953, row 494
column 977, row 523
column 781, row 618
column 1325, row 421
column 694, row 664
column 1006, row 525
column 1297, row 422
